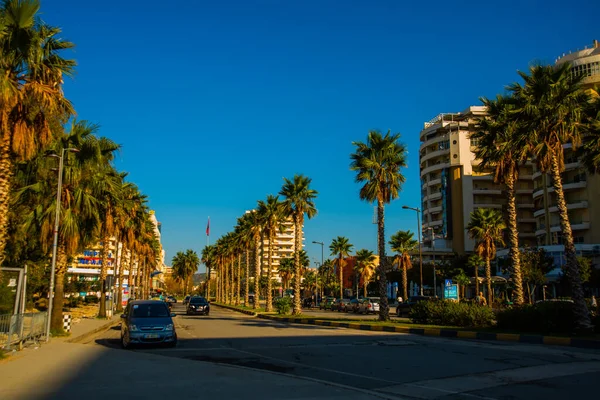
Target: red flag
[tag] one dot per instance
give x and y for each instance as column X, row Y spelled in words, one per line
column 208, row 227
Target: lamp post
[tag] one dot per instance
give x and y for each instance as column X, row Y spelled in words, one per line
column 322, row 246
column 433, row 255
column 418, row 211
column 55, row 240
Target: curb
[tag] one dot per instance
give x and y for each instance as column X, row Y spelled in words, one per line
column 233, row 308
column 86, row 335
column 446, row 333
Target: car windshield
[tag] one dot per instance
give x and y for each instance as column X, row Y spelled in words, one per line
column 149, row 311
column 198, row 300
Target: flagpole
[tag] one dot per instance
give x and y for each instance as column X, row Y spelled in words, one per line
column 208, row 269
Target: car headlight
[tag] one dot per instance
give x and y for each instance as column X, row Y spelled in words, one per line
column 133, row 328
column 169, row 327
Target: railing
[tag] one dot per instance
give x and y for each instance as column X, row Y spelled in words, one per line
column 18, row 328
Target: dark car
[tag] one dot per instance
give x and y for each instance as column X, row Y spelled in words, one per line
column 326, row 303
column 403, row 309
column 171, row 299
column 147, row 322
column 198, row 305
column 340, row 305
column 352, row 306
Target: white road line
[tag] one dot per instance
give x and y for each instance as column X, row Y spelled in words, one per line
column 434, row 388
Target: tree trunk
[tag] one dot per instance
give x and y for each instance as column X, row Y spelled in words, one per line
column 103, row 273
column 6, row 173
column 239, row 269
column 247, row 281
column 404, row 283
column 341, row 268
column 582, row 316
column 488, row 278
column 477, row 280
column 269, row 306
column 514, row 237
column 529, row 293
column 298, row 221
column 384, row 309
column 256, row 272
column 232, row 279
column 56, row 319
column 119, row 275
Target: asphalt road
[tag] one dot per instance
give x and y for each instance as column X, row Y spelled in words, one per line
column 393, row 365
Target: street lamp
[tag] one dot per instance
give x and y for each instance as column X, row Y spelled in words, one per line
column 418, row 211
column 317, row 276
column 433, row 255
column 55, row 240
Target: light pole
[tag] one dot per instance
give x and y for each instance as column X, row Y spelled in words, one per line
column 433, row 255
column 418, row 211
column 55, row 240
column 322, row 246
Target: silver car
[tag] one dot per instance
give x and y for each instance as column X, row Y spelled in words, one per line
column 368, row 305
column 147, row 322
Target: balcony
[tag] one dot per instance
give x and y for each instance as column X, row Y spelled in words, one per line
column 433, row 210
column 554, row 209
column 574, row 185
column 436, row 167
column 580, row 226
column 487, row 205
column 434, row 154
column 487, row 191
column 435, row 196
column 483, row 177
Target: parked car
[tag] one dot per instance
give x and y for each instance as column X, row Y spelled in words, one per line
column 198, row 305
column 340, row 305
column 403, row 309
column 171, row 299
column 147, row 322
column 326, row 303
column 351, row 306
column 186, row 300
column 368, row 305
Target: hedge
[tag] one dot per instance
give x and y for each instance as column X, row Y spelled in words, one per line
column 445, row 312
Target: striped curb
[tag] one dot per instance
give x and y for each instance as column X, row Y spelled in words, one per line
column 89, row 334
column 446, row 333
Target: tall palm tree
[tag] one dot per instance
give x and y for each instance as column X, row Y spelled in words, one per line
column 298, row 200
column 272, row 214
column 208, row 259
column 377, row 164
column 256, row 228
column 341, row 248
column 502, row 147
column 554, row 103
column 403, row 243
column 591, row 145
column 486, row 226
column 31, row 96
column 246, row 240
column 365, row 267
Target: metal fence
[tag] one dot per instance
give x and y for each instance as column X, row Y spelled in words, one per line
column 19, row 328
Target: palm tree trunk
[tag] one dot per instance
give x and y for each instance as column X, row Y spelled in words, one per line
column 582, row 315
column 514, row 238
column 6, row 173
column 103, row 272
column 384, row 309
column 404, row 283
column 488, row 278
column 232, row 279
column 119, row 276
column 341, row 268
column 256, row 272
column 269, row 306
column 299, row 221
column 238, row 274
column 247, row 282
column 56, row 319
column 476, row 280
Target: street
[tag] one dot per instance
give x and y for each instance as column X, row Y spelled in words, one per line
column 391, row 365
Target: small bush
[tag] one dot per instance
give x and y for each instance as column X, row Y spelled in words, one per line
column 452, row 313
column 283, row 305
column 544, row 318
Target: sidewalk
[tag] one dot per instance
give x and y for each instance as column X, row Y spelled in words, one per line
column 88, row 326
column 76, row 371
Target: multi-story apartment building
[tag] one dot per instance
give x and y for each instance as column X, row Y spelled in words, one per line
column 453, row 184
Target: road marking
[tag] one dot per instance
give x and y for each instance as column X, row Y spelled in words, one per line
column 434, row 388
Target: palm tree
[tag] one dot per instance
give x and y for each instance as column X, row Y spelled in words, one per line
column 298, row 200
column 31, row 96
column 475, row 262
column 341, row 248
column 256, row 228
column 326, row 272
column 365, row 267
column 208, row 259
column 591, row 145
column 286, row 272
column 554, row 103
column 378, row 163
column 272, row 215
column 486, row 226
column 502, row 147
column 246, row 240
column 403, row 244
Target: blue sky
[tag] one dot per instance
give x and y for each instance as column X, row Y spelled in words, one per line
column 214, row 102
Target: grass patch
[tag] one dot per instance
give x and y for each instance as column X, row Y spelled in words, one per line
column 59, row 333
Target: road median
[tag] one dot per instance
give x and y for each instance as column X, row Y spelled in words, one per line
column 425, row 330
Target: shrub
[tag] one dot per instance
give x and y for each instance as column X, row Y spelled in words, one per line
column 452, row 313
column 544, row 318
column 283, row 305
